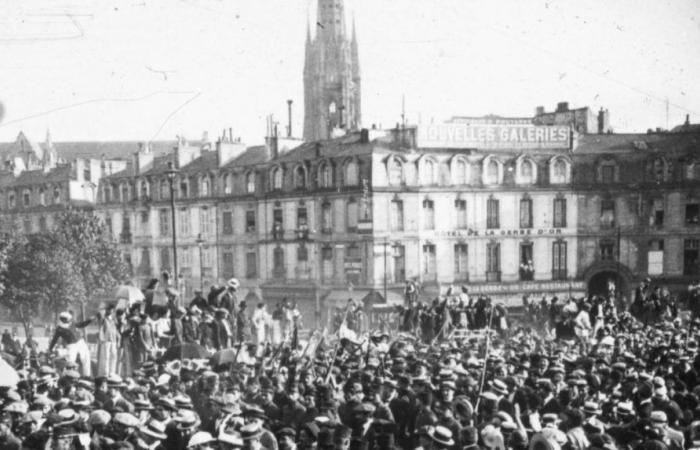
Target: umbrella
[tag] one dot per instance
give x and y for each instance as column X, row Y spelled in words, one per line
column 8, row 375
column 185, row 351
column 129, row 293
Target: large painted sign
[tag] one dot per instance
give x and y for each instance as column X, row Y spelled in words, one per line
column 493, row 137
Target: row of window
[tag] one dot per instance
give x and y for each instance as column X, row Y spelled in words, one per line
column 458, row 172
column 657, row 171
column 656, row 213
column 493, row 214
column 182, row 188
column 526, row 269
column 32, row 197
column 655, row 255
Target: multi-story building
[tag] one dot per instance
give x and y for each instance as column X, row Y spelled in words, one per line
column 39, row 180
column 639, row 209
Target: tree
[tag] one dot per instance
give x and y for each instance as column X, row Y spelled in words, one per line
column 39, row 278
column 95, row 256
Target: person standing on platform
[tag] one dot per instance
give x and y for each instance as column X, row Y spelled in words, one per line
column 75, row 344
column 108, row 342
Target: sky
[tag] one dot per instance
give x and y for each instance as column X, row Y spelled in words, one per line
column 156, row 69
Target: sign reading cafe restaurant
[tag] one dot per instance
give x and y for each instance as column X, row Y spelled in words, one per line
column 493, row 136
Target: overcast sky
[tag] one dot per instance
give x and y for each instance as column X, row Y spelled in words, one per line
column 154, row 69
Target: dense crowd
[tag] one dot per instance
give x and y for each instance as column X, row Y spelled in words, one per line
column 594, row 373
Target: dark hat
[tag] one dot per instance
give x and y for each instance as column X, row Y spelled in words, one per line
column 254, row 411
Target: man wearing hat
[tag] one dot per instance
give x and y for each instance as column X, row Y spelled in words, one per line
column 75, row 344
column 152, row 434
column 674, row 439
column 117, row 402
column 251, row 434
column 254, row 415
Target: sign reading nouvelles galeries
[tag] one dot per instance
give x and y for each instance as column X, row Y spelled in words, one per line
column 493, row 136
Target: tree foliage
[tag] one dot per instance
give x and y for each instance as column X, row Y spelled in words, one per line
column 97, row 259
column 69, row 265
column 39, row 277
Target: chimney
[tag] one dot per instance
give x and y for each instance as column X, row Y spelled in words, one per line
column 364, row 136
column 539, row 111
column 603, row 121
column 205, row 137
column 687, row 120
column 289, row 118
column 562, row 106
column 230, row 134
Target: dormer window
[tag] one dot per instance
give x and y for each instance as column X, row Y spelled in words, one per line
column 325, row 176
column 395, row 170
column 559, row 171
column 276, row 176
column 184, row 188
column 26, row 197
column 57, row 195
column 250, row 182
column 351, row 174
column 493, row 171
column 205, row 187
column 42, row 196
column 11, row 202
column 461, row 176
column 300, row 177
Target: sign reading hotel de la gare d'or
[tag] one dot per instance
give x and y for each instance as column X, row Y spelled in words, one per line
column 492, row 136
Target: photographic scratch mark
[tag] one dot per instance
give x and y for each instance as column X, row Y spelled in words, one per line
column 596, row 97
column 175, row 111
column 78, row 32
column 320, row 24
column 162, row 72
column 88, row 102
column 562, row 75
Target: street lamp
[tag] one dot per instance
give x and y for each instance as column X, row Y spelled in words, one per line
column 385, row 244
column 200, row 242
column 172, row 173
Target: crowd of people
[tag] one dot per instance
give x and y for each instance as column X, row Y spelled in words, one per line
column 596, row 374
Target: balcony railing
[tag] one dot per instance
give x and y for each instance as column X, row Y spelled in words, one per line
column 125, row 238
column 302, row 233
column 277, row 233
column 279, row 273
column 302, row 273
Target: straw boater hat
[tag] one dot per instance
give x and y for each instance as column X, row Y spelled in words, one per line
column 441, row 435
column 233, row 283
column 154, row 429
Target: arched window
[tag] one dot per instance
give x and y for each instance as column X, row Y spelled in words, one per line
column 250, row 182
column 659, row 170
column 276, row 176
column 325, row 175
column 395, row 172
column 164, row 189
column 106, row 193
column 11, row 202
column 460, row 172
column 42, row 196
column 692, row 170
column 527, row 171
column 560, row 171
column 300, row 177
column 429, row 172
column 351, row 174
column 492, row 172
column 26, row 198
column 205, row 187
column 184, row 188
column 143, row 189
column 57, row 194
column 125, row 192
column 228, row 184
